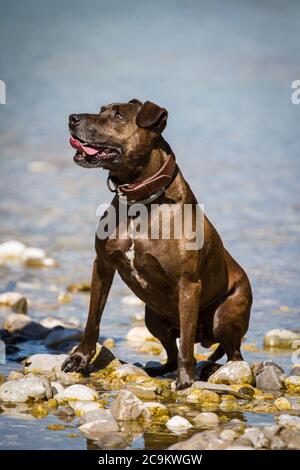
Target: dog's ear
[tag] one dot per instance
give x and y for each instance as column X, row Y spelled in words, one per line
column 135, row 101
column 151, row 116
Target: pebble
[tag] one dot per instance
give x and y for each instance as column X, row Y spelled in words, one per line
column 64, row 298
column 84, row 286
column 127, row 407
column 233, row 372
column 156, row 409
column 57, row 337
column 84, row 407
column 282, row 404
column 128, row 371
column 15, row 375
column 11, row 250
column 113, row 440
column 207, row 420
column 206, row 397
column 44, row 364
column 288, row 421
column 228, row 435
column 109, row 343
column 51, row 322
column 256, row 437
column 178, row 424
column 280, row 338
column 104, row 423
column 145, row 391
column 34, row 257
column 18, row 322
column 139, row 334
column 24, row 389
column 291, row 439
column 10, row 298
column 39, row 411
column 77, row 392
column 293, row 383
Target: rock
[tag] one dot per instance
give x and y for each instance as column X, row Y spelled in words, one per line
column 18, row 322
column 64, row 298
column 77, row 392
column 91, row 416
column 39, row 410
column 84, row 286
column 65, row 412
column 128, row 371
column 56, row 388
column 51, row 322
column 280, row 338
column 128, row 407
column 65, row 378
column 271, row 431
column 205, row 397
column 291, row 439
column 236, row 425
column 87, row 409
column 257, row 367
column 288, row 421
column 220, row 389
column 178, row 424
column 57, row 337
column 256, row 437
column 11, row 250
column 238, row 447
column 20, row 306
column 197, row 442
column 10, row 299
column 104, row 423
column 33, row 257
column 292, row 383
column 295, row 371
column 277, row 443
column 131, row 300
column 15, row 375
column 139, row 334
column 113, row 440
column 145, row 391
column 204, row 369
column 228, row 435
column 206, row 420
column 44, row 364
column 283, row 404
column 156, row 409
column 270, row 378
column 109, row 343
column 24, row 389
column 233, row 372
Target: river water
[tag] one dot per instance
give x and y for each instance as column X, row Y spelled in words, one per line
column 224, row 72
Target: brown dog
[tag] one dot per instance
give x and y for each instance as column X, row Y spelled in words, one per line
column 199, row 295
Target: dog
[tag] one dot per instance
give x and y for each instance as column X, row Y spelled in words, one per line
column 197, row 295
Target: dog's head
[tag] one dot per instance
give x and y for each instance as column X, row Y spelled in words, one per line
column 119, row 138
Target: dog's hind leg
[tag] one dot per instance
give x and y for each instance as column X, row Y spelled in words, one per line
column 161, row 330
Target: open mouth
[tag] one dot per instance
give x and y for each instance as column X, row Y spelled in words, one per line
column 94, row 156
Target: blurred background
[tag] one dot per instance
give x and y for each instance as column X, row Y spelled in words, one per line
column 224, row 72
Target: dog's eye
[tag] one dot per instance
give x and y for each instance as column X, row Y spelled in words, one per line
column 117, row 114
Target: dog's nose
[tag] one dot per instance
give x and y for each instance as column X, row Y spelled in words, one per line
column 74, row 119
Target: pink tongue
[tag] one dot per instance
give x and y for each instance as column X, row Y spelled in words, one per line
column 76, row 144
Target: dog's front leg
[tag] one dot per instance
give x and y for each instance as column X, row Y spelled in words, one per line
column 101, row 282
column 189, row 296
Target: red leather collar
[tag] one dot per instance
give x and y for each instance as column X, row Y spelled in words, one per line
column 144, row 189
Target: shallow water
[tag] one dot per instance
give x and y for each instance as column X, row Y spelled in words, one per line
column 224, row 72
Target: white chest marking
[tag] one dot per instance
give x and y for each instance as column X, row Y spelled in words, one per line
column 130, row 253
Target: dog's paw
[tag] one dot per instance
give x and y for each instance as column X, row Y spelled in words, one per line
column 76, row 362
column 181, row 384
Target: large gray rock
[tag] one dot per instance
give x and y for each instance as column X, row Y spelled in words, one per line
column 233, row 372
column 127, row 407
column 24, row 389
column 269, row 377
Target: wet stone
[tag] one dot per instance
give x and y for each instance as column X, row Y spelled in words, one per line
column 270, row 378
column 128, row 407
column 25, row 389
column 57, row 337
column 233, row 372
column 280, row 338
